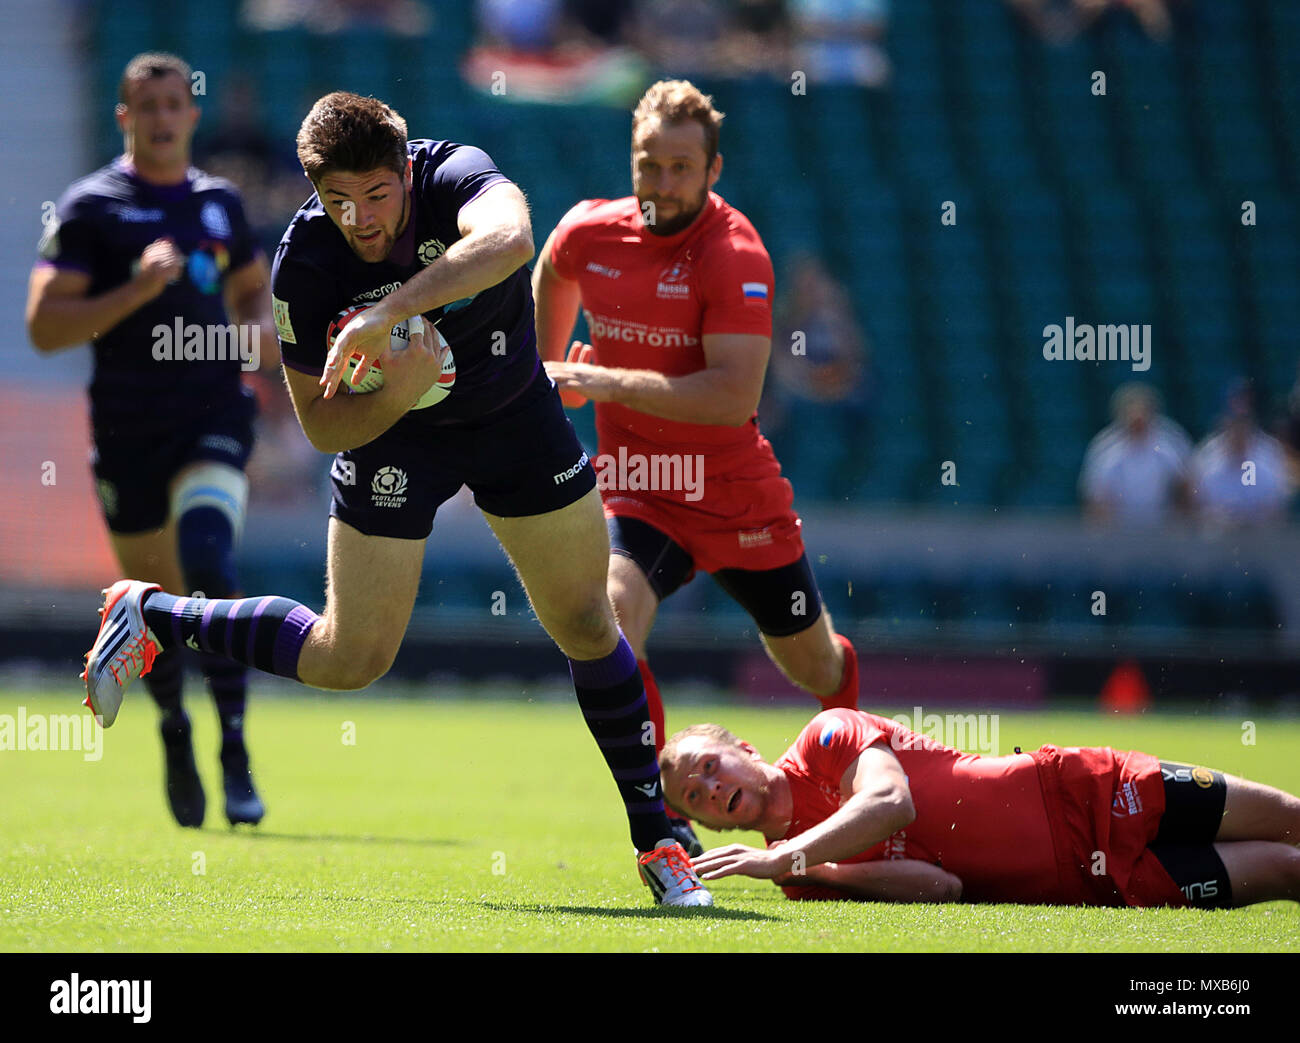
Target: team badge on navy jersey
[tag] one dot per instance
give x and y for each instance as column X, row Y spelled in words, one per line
column 214, row 220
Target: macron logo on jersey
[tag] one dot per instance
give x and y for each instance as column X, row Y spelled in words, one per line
column 756, row 291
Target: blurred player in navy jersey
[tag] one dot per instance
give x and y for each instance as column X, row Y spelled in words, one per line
column 431, row 229
column 146, row 258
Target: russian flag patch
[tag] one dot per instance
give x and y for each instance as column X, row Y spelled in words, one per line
column 828, row 733
column 755, row 290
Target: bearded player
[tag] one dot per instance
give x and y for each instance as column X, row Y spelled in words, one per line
column 861, row 807
column 677, row 290
column 149, row 243
column 431, row 229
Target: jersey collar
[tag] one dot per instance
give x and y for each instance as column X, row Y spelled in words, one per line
column 167, row 192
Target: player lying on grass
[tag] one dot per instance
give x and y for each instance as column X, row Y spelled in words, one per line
column 862, row 808
column 433, row 229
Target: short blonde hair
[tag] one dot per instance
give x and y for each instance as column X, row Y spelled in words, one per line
column 668, row 756
column 676, row 101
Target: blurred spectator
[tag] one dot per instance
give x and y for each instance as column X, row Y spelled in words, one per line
column 816, row 396
column 1136, row 470
column 531, row 26
column 555, row 51
column 758, row 39
column 400, row 17
column 839, row 41
column 1060, row 21
column 1152, row 15
column 608, row 22
column 685, row 37
column 1239, row 474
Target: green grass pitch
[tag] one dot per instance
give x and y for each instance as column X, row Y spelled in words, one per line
column 481, row 824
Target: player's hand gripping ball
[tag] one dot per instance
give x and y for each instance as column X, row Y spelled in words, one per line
column 399, row 340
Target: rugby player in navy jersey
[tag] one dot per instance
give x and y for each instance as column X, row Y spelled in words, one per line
column 146, row 258
column 433, row 229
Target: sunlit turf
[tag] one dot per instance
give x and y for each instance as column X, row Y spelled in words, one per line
column 479, row 823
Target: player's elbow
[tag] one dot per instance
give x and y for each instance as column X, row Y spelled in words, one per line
column 518, row 246
column 902, row 812
column 324, row 445
column 739, row 413
column 322, row 439
column 40, row 330
column 44, row 336
column 39, row 338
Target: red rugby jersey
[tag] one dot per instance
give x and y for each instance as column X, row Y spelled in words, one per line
column 1060, row 825
column 650, row 299
column 982, row 818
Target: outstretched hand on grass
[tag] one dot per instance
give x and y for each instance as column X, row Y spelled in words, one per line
column 742, row 860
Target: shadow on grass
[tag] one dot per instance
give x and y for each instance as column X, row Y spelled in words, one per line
column 656, row 912
column 342, row 838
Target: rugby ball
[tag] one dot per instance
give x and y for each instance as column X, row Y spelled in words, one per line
column 399, row 339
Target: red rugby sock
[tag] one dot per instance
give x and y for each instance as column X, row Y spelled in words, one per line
column 654, row 703
column 655, row 711
column 846, row 696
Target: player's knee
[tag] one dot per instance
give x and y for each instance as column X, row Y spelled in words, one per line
column 208, row 504
column 816, row 671
column 355, row 665
column 352, row 676
column 824, row 675
column 586, row 629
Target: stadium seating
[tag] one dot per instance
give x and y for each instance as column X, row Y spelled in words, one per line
column 1122, row 207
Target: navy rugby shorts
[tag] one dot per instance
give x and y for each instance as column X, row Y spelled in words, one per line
column 134, row 471
column 520, row 460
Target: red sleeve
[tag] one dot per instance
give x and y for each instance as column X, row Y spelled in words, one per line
column 834, row 739
column 737, row 287
column 566, row 238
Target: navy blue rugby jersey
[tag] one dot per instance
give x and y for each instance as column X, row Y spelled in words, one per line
column 316, row 275
column 145, row 380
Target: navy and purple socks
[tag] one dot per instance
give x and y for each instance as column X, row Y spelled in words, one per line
column 613, row 703
column 266, row 633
